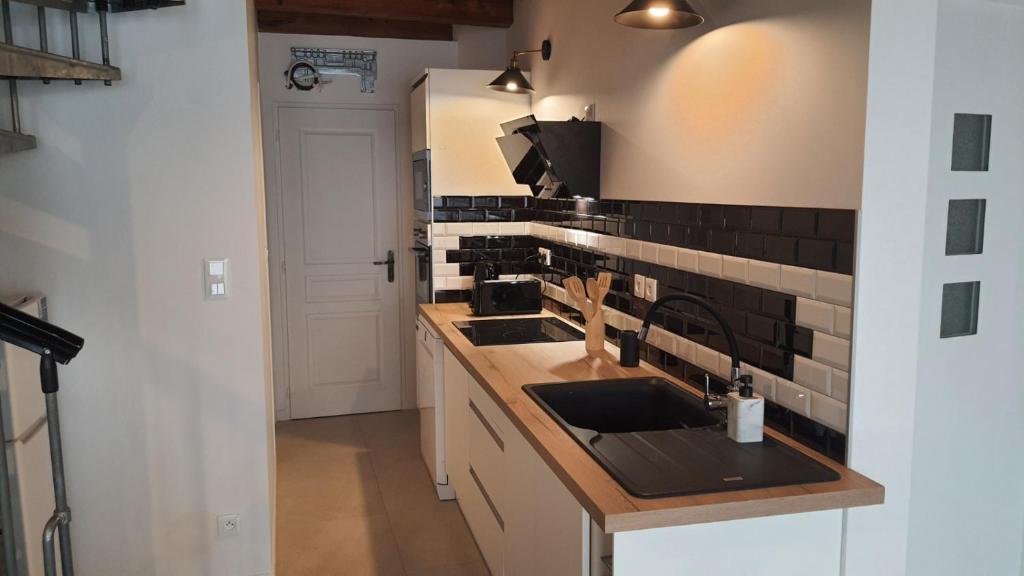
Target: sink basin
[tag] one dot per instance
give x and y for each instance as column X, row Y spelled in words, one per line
column 657, row 440
column 627, row 405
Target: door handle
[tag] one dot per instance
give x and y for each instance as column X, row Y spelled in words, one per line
column 390, row 263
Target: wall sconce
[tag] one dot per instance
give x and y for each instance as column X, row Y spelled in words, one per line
column 659, row 14
column 512, row 79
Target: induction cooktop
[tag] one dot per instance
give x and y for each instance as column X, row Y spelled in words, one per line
column 502, row 332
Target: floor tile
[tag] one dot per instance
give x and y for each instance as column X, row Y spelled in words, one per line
column 320, row 545
column 474, row 569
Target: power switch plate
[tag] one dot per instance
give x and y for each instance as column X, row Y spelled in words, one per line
column 215, row 278
column 639, row 286
column 651, row 289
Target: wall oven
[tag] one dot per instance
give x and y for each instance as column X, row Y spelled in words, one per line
column 424, row 262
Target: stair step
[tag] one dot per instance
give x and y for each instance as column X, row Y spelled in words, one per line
column 11, row 142
column 18, row 62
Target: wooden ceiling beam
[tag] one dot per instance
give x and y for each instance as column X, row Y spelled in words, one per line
column 496, row 13
column 280, row 22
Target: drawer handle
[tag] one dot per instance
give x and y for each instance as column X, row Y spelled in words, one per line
column 487, row 426
column 487, row 498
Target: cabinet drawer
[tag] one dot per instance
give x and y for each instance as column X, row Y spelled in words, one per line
column 487, row 456
column 489, row 409
column 486, row 526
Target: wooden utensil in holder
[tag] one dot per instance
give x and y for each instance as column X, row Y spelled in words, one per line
column 593, row 312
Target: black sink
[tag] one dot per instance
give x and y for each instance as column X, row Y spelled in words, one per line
column 657, row 440
column 619, row 406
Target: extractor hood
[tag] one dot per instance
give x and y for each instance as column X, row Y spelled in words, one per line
column 555, row 159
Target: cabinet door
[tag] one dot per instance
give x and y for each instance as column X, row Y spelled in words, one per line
column 547, row 532
column 419, row 117
column 456, row 401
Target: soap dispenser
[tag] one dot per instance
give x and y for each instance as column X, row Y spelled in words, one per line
column 745, row 412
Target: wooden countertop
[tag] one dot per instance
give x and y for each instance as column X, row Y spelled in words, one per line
column 503, row 370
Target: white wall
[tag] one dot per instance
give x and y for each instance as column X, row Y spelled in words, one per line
column 165, row 411
column 939, row 422
column 763, row 104
column 400, row 63
column 482, row 48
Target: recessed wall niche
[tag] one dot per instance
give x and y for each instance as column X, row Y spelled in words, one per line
column 972, row 134
column 965, row 227
column 960, row 309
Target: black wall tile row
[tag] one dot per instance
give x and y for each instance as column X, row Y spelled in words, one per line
column 509, row 254
column 814, row 238
column 818, row 437
column 483, row 209
column 764, row 320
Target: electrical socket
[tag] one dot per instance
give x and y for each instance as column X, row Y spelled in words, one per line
column 227, row 525
column 639, row 286
column 545, row 256
column 651, row 289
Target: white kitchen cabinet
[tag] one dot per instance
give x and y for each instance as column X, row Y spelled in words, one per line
column 456, row 398
column 524, row 520
column 457, row 118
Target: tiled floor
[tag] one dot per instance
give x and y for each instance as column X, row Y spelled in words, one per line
column 355, row 499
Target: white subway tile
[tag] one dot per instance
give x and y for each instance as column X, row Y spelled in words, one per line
column 798, row 281
column 649, row 252
column 459, row 228
column 440, row 283
column 512, row 228
column 710, row 264
column 815, row 315
column 667, row 256
column 631, row 248
column 841, row 385
column 764, row 382
column 612, row 317
column 734, row 269
column 446, row 243
column 438, row 229
column 794, row 397
column 687, row 260
column 446, row 269
column 440, row 257
column 829, row 412
column 706, row 358
column 686, row 349
column 662, row 340
column 460, row 283
column 725, row 366
column 844, row 322
column 631, row 323
column 832, row 351
column 610, row 244
column 811, row 374
column 835, row 288
column 591, row 239
column 764, row 274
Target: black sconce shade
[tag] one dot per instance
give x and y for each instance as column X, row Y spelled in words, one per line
column 659, row 14
column 512, row 79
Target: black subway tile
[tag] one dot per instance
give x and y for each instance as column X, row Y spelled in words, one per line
column 798, row 339
column 473, row 242
column 472, row 215
column 780, row 249
column 779, row 305
column 446, row 216
column 712, row 216
column 844, row 258
column 800, row 222
column 485, row 202
column 836, row 225
column 458, row 201
column 722, row 241
column 750, row 245
column 766, row 219
column 720, row 291
column 747, row 298
column 817, row 254
column 689, row 214
column 762, row 328
column 737, row 217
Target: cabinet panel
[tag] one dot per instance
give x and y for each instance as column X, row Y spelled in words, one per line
column 487, row 456
column 419, row 117
column 456, row 412
column 484, row 524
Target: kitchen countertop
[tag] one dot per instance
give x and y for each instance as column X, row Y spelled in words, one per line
column 503, row 370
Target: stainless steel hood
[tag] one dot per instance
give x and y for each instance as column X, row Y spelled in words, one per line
column 555, row 159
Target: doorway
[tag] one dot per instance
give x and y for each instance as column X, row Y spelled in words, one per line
column 337, row 195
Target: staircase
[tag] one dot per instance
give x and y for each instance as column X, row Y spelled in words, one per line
column 19, row 63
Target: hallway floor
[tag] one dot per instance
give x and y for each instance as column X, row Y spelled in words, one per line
column 355, row 499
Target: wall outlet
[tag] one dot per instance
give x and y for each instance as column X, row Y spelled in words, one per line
column 639, row 286
column 227, row 525
column 651, row 289
column 545, row 256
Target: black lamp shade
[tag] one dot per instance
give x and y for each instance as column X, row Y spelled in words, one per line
column 659, row 14
column 511, row 80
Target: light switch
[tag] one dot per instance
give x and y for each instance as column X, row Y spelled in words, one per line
column 215, row 279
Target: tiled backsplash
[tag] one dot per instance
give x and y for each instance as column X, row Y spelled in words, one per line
column 780, row 276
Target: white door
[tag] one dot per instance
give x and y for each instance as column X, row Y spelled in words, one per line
column 339, row 190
